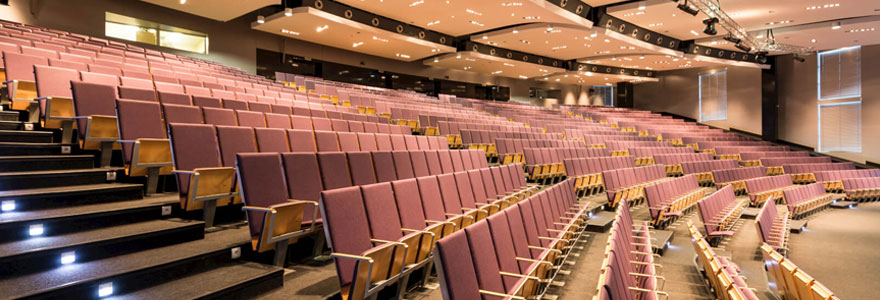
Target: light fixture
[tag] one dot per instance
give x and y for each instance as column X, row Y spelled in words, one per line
column 105, row 289
column 355, row 45
column 322, row 28
column 685, row 7
column 710, row 26
column 68, row 257
column 515, row 31
column 549, row 28
column 7, row 205
column 261, row 19
column 642, row 5
column 798, row 58
column 835, row 25
column 182, row 2
column 743, row 47
column 761, row 57
column 36, row 230
column 732, row 39
column 288, row 12
column 813, row 40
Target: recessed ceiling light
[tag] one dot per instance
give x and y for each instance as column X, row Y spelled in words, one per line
column 433, row 23
column 835, row 25
column 355, row 45
column 813, row 40
column 288, row 12
column 402, row 55
column 473, row 12
column 322, row 28
column 182, row 1
column 477, row 23
column 261, row 19
column 694, row 32
column 515, row 31
column 416, row 3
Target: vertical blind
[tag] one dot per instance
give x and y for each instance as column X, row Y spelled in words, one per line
column 840, row 74
column 713, row 96
column 840, row 127
column 607, row 94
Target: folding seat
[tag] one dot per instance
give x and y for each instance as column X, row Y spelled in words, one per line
column 370, row 127
column 301, row 122
column 346, row 225
column 259, row 107
column 278, row 121
column 383, row 142
column 385, row 166
column 301, row 140
column 146, row 150
column 398, row 142
column 27, row 50
column 234, row 139
column 339, row 125
column 322, row 124
column 384, row 128
column 250, row 118
column 219, row 116
column 202, row 182
column 366, row 141
column 334, row 170
column 206, row 101
column 384, row 218
column 95, row 104
column 271, row 140
column 318, row 113
column 457, row 162
column 282, row 109
column 355, row 126
column 403, row 165
column 326, row 141
column 173, row 98
column 360, row 163
column 234, row 104
column 181, row 114
column 222, row 94
column 432, row 203
column 348, row 141
column 196, row 91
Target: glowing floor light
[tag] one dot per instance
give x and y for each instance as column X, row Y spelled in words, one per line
column 35, row 230
column 68, row 257
column 105, row 289
column 7, row 205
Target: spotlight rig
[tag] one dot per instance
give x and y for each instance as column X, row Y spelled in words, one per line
column 710, row 26
column 685, row 7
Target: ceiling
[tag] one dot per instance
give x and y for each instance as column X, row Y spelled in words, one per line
column 589, row 78
column 648, row 62
column 460, row 17
column 220, row 10
column 487, row 64
column 316, row 26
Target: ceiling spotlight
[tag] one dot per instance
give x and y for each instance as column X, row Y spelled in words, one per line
column 835, row 25
column 550, row 28
column 685, row 7
column 732, row 39
column 261, row 19
column 710, row 26
column 798, row 58
column 182, row 1
column 761, row 57
column 288, row 12
column 743, row 47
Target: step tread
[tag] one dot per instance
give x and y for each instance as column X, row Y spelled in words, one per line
column 81, row 210
column 48, row 243
column 32, row 145
column 48, row 191
column 32, row 284
column 205, row 283
column 44, row 157
column 57, row 172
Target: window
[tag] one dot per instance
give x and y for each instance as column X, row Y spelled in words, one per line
column 840, row 100
column 141, row 31
column 713, row 96
column 840, row 127
column 606, row 93
column 840, row 74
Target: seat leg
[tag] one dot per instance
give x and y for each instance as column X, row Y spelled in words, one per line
column 33, row 111
column 401, row 286
column 106, row 153
column 67, row 132
column 208, row 213
column 280, row 253
column 152, row 180
column 318, row 248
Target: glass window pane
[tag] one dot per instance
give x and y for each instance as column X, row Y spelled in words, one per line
column 130, row 33
column 713, row 96
column 183, row 41
column 840, row 74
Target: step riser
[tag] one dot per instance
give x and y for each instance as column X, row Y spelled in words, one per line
column 55, row 150
column 47, row 164
column 25, row 138
column 59, row 226
column 49, row 259
column 247, row 290
column 140, row 279
column 34, row 202
column 51, row 180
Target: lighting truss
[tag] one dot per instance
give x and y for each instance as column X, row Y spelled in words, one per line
column 712, row 9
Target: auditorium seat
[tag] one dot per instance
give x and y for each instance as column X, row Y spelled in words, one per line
column 145, row 147
column 720, row 211
column 805, row 200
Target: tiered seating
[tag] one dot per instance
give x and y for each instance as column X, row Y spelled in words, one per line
column 588, row 172
column 725, row 278
column 751, row 159
column 703, row 169
column 621, row 148
column 774, row 164
column 773, row 226
column 805, row 173
column 792, row 282
column 806, row 199
column 862, row 189
column 670, row 199
column 673, row 161
column 645, row 155
column 720, row 211
column 767, row 189
column 547, row 164
column 628, row 184
column 833, row 180
column 737, row 177
column 733, row 151
column 628, row 269
column 503, row 255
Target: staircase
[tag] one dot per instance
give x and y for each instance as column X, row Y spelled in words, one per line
column 71, row 230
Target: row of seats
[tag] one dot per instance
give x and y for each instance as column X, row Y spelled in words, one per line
column 774, row 164
column 588, row 171
column 628, row 184
column 645, row 155
column 792, row 282
column 773, row 226
column 603, row 140
column 703, row 169
column 732, row 152
column 673, row 161
column 722, row 147
column 737, row 177
column 806, row 199
column 833, row 180
column 670, row 199
column 628, row 268
column 725, row 277
column 768, row 188
column 862, row 189
column 543, row 164
column 805, row 173
column 621, row 148
column 720, row 211
column 751, row 159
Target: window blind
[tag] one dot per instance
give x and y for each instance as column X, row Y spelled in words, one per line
column 713, row 96
column 840, row 127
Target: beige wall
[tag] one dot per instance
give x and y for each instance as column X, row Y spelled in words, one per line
column 677, row 92
column 798, row 103
column 234, row 43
